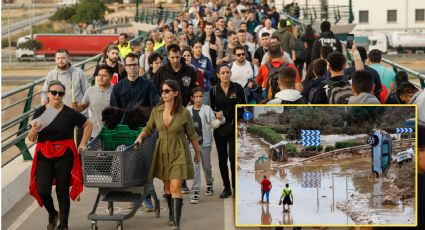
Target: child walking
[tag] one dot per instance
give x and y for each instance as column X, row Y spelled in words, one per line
column 202, row 116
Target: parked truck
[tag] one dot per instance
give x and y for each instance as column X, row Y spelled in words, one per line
column 76, row 44
column 397, row 41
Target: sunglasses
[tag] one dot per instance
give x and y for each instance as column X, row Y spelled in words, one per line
column 166, row 91
column 54, row 93
column 241, row 54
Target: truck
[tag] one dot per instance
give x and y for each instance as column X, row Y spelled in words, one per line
column 397, row 41
column 76, row 44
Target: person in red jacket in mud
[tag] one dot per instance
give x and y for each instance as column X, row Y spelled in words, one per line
column 266, row 186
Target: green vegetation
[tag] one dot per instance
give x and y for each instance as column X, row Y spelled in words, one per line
column 267, row 133
column 329, row 148
column 280, row 128
column 291, row 149
column 84, row 12
column 346, row 144
column 314, row 148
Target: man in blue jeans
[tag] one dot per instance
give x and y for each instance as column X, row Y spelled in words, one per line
column 266, row 186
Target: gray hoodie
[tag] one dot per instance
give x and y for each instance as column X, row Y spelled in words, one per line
column 363, row 98
column 72, row 75
column 287, row 95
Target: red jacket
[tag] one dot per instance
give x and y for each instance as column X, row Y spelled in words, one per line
column 263, row 72
column 266, row 185
column 49, row 152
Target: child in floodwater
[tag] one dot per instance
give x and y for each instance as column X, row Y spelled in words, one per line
column 266, row 186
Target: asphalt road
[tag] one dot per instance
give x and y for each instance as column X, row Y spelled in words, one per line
column 24, row 23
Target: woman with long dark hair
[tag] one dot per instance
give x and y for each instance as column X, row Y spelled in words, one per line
column 223, row 99
column 171, row 161
column 308, row 38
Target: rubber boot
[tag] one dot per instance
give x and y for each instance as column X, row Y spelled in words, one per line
column 170, row 208
column 178, row 202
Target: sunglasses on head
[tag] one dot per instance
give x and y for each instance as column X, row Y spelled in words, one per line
column 54, row 93
column 166, row 91
column 241, row 54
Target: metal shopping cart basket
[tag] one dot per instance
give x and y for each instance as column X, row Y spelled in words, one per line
column 120, row 170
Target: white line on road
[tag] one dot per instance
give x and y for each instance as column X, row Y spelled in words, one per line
column 24, row 216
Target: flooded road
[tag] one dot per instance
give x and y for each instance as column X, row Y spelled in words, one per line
column 318, row 188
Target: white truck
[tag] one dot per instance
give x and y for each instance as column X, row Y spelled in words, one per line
column 397, row 41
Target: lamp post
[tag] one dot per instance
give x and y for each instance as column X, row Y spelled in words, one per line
column 137, row 11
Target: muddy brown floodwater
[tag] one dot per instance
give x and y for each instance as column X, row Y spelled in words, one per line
column 316, row 202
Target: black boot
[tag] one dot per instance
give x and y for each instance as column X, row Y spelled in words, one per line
column 178, row 202
column 170, row 208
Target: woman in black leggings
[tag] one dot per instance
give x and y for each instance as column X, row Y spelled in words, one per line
column 56, row 158
column 223, row 98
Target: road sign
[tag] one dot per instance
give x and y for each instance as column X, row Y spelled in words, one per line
column 403, row 130
column 311, row 180
column 310, row 143
column 310, row 132
column 310, row 138
column 247, row 115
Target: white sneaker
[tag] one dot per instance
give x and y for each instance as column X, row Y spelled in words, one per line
column 209, row 191
column 194, row 199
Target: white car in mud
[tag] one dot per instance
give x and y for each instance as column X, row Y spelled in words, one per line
column 381, row 152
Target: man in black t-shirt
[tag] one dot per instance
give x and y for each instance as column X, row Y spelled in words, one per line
column 259, row 53
column 111, row 59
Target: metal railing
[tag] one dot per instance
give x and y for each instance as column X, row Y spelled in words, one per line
column 152, row 15
column 312, row 13
column 28, row 95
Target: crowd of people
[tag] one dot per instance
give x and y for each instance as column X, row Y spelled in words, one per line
column 191, row 74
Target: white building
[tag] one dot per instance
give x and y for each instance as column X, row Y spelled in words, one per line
column 381, row 15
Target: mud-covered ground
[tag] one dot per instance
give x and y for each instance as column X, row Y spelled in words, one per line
column 345, row 195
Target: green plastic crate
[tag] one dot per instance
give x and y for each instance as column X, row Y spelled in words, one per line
column 122, row 135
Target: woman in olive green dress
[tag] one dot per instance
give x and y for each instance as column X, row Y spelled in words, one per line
column 172, row 161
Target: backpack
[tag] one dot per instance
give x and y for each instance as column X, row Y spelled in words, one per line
column 302, row 100
column 312, row 93
column 273, row 78
column 338, row 92
column 299, row 50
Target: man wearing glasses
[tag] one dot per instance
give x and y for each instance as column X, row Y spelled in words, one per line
column 242, row 70
column 134, row 90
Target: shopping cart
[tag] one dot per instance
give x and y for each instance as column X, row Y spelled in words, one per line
column 120, row 170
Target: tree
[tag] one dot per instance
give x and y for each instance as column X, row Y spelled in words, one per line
column 84, row 12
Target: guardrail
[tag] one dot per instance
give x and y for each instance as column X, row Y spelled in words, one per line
column 15, row 130
column 333, row 13
column 151, row 15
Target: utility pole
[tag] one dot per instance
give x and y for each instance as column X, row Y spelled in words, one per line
column 8, row 30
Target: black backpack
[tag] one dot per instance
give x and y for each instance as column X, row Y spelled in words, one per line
column 338, row 92
column 273, row 78
column 302, row 100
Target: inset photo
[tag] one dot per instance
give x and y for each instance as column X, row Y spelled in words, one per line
column 326, row 166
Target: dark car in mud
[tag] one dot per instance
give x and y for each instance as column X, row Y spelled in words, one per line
column 381, row 152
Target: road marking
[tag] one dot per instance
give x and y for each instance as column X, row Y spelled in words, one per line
column 229, row 214
column 24, row 216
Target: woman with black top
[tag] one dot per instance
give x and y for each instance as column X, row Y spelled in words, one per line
column 56, row 158
column 308, row 39
column 223, row 98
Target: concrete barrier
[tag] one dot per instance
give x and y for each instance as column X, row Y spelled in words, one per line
column 15, row 182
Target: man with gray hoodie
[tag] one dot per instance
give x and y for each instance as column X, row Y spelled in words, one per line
column 362, row 86
column 287, row 93
column 72, row 77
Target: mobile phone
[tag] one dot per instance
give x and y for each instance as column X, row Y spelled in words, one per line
column 350, row 39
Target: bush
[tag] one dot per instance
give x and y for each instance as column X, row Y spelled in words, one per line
column 314, row 148
column 267, row 133
column 291, row 149
column 280, row 129
column 307, row 154
column 346, row 144
column 329, row 148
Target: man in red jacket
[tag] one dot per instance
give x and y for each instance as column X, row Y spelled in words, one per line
column 266, row 186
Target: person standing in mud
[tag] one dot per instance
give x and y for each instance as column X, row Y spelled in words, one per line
column 287, row 197
column 266, row 186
